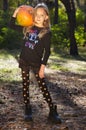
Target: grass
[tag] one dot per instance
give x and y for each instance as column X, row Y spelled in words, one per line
column 63, row 61
column 9, row 71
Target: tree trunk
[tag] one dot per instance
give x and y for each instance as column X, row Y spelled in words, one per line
column 5, row 5
column 70, row 8
column 56, row 12
column 73, row 45
column 85, row 31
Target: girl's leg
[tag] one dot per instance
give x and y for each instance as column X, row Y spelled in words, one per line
column 26, row 82
column 44, row 89
column 53, row 115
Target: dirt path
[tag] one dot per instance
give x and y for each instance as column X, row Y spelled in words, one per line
column 68, row 91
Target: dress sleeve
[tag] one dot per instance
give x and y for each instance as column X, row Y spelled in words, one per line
column 14, row 26
column 47, row 45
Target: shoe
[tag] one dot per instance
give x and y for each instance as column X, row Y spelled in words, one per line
column 53, row 116
column 28, row 113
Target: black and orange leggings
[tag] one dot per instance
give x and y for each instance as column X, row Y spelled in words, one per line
column 41, row 83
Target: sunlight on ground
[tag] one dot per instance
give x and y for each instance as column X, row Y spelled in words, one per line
column 76, row 66
column 9, row 70
column 67, row 64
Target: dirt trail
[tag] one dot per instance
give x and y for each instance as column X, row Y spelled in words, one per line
column 68, row 91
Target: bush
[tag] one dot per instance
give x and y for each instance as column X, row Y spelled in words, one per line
column 80, row 35
column 60, row 35
column 9, row 38
column 4, row 18
column 60, row 31
column 80, row 16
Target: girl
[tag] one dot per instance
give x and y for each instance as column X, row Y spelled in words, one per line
column 34, row 55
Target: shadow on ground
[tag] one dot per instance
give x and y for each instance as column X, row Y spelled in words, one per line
column 68, row 91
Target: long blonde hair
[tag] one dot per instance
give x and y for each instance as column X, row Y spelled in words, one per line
column 46, row 23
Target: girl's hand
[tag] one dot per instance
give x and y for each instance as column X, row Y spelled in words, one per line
column 41, row 71
column 16, row 11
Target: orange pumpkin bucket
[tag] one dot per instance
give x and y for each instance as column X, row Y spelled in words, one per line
column 25, row 16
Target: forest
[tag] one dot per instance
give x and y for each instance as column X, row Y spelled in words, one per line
column 68, row 20
column 65, row 71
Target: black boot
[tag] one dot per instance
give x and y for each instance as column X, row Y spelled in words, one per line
column 53, row 116
column 28, row 113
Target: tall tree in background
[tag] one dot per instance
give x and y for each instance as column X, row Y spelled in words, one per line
column 56, row 12
column 70, row 8
column 5, row 5
column 82, row 5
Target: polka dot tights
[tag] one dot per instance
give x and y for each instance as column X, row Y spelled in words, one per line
column 41, row 83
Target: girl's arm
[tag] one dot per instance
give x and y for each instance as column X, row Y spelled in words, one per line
column 47, row 43
column 12, row 23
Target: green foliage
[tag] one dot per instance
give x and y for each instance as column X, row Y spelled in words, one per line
column 80, row 35
column 9, row 38
column 60, row 32
column 60, row 35
column 80, row 16
column 4, row 18
column 79, row 32
column 63, row 15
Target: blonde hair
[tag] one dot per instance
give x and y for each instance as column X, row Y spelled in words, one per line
column 46, row 23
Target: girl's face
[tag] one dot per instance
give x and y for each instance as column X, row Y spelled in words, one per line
column 40, row 17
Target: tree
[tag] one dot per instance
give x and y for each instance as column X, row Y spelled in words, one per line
column 82, row 5
column 56, row 12
column 5, row 5
column 70, row 8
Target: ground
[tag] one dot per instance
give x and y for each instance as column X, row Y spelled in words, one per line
column 68, row 91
